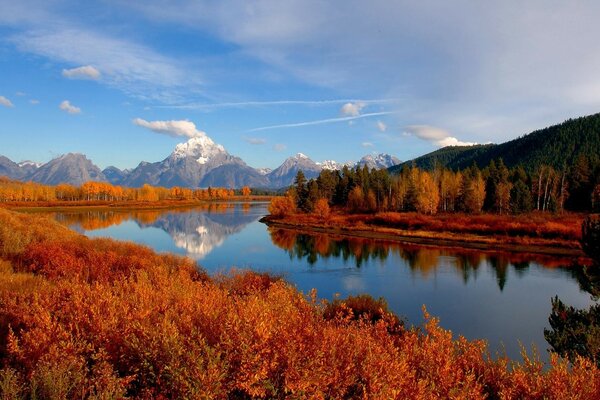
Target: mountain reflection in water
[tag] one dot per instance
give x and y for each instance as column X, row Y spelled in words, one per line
column 197, row 231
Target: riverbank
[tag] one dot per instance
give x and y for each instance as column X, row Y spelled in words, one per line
column 124, row 205
column 532, row 233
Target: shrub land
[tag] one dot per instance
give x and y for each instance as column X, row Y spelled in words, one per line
column 97, row 318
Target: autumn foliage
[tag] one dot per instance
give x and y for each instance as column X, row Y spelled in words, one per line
column 92, row 192
column 96, row 318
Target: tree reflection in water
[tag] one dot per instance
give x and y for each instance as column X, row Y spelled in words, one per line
column 424, row 260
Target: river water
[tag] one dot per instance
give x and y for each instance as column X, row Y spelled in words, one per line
column 501, row 297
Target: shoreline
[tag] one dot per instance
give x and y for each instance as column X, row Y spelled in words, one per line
column 433, row 238
column 125, row 206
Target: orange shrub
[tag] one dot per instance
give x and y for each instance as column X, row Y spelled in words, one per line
column 282, row 205
column 321, row 209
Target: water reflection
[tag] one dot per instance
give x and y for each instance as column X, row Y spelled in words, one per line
column 422, row 260
column 197, row 231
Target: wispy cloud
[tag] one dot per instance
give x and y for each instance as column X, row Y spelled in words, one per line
column 279, row 147
column 242, row 104
column 6, row 102
column 381, row 126
column 255, row 140
column 68, row 107
column 367, row 144
column 174, row 128
column 84, row 72
column 320, row 122
column 34, row 101
column 126, row 65
column 434, row 135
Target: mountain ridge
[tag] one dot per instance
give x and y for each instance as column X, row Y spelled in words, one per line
column 198, row 162
column 556, row 146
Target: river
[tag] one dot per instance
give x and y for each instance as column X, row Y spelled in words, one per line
column 501, row 297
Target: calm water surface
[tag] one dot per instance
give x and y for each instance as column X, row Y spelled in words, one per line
column 504, row 298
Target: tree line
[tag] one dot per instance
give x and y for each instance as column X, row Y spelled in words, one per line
column 494, row 189
column 16, row 191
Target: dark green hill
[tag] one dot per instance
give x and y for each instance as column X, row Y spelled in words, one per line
column 556, row 146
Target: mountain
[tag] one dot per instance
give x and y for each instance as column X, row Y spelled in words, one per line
column 10, row 169
column 70, row 168
column 199, row 162
column 556, row 146
column 114, row 175
column 379, row 161
column 284, row 174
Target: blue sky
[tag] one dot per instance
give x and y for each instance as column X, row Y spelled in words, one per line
column 268, row 79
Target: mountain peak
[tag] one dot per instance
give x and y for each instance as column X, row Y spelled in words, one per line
column 378, row 161
column 202, row 148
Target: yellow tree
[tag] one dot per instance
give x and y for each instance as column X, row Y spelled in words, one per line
column 428, row 194
column 246, row 191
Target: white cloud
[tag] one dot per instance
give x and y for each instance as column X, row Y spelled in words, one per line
column 381, row 126
column 6, row 102
column 171, row 128
column 68, row 107
column 255, row 141
column 279, row 147
column 352, row 109
column 367, row 144
column 34, row 101
column 21, row 94
column 434, row 135
column 84, row 72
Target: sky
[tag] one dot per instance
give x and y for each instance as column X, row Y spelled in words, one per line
column 268, row 79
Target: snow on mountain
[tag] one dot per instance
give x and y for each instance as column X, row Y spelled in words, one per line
column 379, row 161
column 264, row 171
column 201, row 148
column 284, row 174
column 29, row 164
column 334, row 165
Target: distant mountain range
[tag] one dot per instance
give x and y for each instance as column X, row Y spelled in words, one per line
column 556, row 146
column 199, row 162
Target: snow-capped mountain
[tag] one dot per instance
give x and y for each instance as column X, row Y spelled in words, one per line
column 334, row 165
column 284, row 174
column 201, row 148
column 199, row 162
column 379, row 161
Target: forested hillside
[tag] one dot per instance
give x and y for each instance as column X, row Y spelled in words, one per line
column 557, row 146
